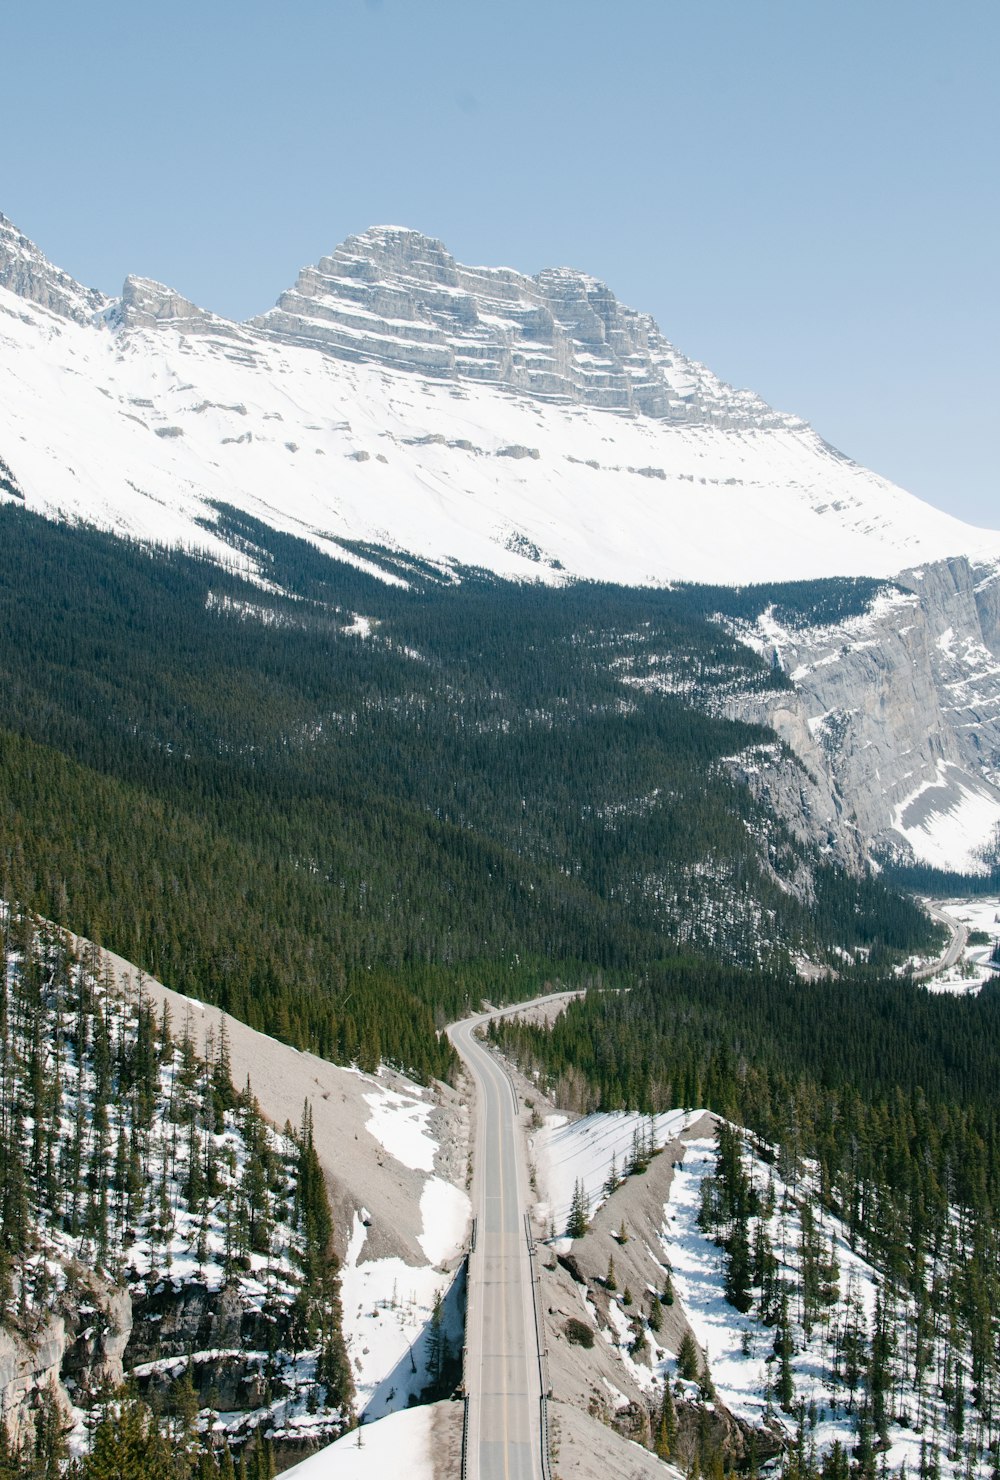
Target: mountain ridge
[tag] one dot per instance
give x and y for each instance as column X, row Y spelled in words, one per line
column 464, row 440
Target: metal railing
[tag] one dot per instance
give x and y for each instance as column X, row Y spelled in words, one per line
column 543, row 1362
column 465, row 1438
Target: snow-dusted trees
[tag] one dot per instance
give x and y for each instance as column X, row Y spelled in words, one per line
column 136, row 1154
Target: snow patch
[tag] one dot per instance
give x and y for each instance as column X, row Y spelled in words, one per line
column 399, row 1123
column 399, row 1444
column 446, row 1212
column 584, row 1151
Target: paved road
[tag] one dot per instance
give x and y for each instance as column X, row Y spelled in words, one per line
column 502, row 1372
column 959, row 937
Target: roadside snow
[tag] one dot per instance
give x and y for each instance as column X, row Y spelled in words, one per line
column 446, row 1212
column 388, row 1306
column 398, row 1445
column 970, row 971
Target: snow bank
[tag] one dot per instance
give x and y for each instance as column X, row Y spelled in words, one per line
column 446, row 1212
column 400, row 1444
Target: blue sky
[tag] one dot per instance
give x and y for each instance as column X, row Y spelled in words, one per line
column 803, row 193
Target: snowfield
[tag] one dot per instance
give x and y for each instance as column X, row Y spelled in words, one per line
column 135, row 421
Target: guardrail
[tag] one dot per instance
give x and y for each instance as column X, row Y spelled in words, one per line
column 465, row 1438
column 543, row 1404
column 543, row 1363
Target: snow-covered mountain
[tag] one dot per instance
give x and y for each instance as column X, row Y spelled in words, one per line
column 538, row 428
column 531, row 426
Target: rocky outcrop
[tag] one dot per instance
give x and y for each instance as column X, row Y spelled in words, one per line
column 25, row 271
column 396, row 296
column 29, row 1367
column 895, row 716
column 79, row 1350
column 145, row 304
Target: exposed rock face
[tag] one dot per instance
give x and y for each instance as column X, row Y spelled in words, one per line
column 394, row 295
column 104, row 1333
column 896, row 714
column 145, row 304
column 80, row 1349
column 25, row 271
column 171, row 1322
column 28, row 1368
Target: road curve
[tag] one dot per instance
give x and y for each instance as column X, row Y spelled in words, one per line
column 502, row 1376
column 956, row 945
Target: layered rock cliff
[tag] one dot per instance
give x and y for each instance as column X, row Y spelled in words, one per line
column 29, row 274
column 896, row 715
column 396, row 296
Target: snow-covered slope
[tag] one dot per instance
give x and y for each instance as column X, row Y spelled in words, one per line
column 532, row 426
column 387, row 1147
column 827, row 1302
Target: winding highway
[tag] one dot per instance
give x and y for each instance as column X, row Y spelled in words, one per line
column 956, row 945
column 502, row 1375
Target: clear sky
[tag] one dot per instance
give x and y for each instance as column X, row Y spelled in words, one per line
column 804, row 193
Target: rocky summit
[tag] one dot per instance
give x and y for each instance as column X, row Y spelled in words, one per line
column 398, row 297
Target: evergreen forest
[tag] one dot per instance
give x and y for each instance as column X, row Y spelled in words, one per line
column 138, row 1186
column 343, row 809
column 347, row 808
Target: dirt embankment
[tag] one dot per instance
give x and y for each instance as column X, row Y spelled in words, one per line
column 360, row 1172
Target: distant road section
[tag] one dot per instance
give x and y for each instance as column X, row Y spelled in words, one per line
column 957, row 944
column 502, row 1365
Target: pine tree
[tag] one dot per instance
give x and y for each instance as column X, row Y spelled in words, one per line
column 436, row 1341
column 688, row 1358
column 666, row 1428
column 577, row 1222
column 612, row 1179
column 127, row 1445
column 738, row 1270
column 783, row 1349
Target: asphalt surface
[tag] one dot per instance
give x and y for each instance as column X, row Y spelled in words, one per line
column 502, row 1377
column 959, row 937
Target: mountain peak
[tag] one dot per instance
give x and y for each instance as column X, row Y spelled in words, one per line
column 394, row 295
column 28, row 273
column 146, row 304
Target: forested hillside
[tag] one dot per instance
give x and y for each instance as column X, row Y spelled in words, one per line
column 875, row 1102
column 344, row 809
column 155, row 1230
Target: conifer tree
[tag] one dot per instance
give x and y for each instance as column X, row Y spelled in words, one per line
column 577, row 1221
